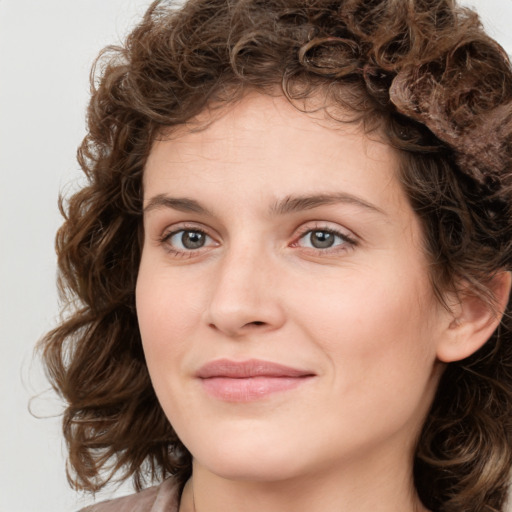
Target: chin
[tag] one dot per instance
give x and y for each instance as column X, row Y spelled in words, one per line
column 259, row 460
column 251, row 470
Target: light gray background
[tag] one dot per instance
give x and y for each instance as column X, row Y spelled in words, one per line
column 46, row 50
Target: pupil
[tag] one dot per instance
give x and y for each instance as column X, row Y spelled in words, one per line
column 192, row 239
column 322, row 239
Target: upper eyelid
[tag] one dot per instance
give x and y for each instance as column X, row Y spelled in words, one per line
column 187, row 226
column 321, row 227
column 326, row 226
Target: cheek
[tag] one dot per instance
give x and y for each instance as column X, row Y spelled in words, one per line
column 374, row 326
column 381, row 356
column 166, row 313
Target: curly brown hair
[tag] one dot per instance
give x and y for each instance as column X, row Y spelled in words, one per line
column 436, row 85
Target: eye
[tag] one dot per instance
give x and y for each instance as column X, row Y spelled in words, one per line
column 324, row 239
column 187, row 240
column 320, row 239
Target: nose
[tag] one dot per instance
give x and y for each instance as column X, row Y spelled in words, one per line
column 244, row 296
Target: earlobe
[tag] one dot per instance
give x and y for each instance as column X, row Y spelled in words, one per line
column 474, row 320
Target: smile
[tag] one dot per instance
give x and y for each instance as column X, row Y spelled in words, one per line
column 250, row 380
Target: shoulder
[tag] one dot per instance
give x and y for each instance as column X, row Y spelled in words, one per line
column 161, row 498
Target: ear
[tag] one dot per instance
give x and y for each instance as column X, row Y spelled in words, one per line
column 473, row 320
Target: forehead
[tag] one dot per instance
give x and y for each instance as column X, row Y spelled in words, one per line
column 266, row 138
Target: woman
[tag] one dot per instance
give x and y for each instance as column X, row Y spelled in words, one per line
column 290, row 266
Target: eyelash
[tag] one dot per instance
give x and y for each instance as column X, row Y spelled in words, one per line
column 348, row 242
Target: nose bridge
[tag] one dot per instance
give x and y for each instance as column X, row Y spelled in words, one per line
column 244, row 295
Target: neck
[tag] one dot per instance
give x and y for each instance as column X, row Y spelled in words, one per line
column 383, row 489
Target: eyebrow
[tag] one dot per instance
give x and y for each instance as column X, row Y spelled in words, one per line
column 288, row 204
column 182, row 204
column 291, row 204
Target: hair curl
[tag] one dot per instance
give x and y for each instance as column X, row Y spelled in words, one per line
column 440, row 90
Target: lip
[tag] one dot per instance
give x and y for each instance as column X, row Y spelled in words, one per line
column 247, row 381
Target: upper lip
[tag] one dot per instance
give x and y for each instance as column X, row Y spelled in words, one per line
column 247, row 369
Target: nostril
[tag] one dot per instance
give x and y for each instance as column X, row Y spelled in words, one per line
column 256, row 323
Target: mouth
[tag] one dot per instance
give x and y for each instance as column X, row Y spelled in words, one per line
column 251, row 380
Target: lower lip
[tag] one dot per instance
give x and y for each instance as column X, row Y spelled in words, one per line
column 249, row 389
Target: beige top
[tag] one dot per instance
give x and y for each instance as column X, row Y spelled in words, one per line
column 161, row 498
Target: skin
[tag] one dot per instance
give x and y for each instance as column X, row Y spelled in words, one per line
column 359, row 315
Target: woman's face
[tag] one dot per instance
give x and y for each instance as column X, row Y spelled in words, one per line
column 283, row 297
